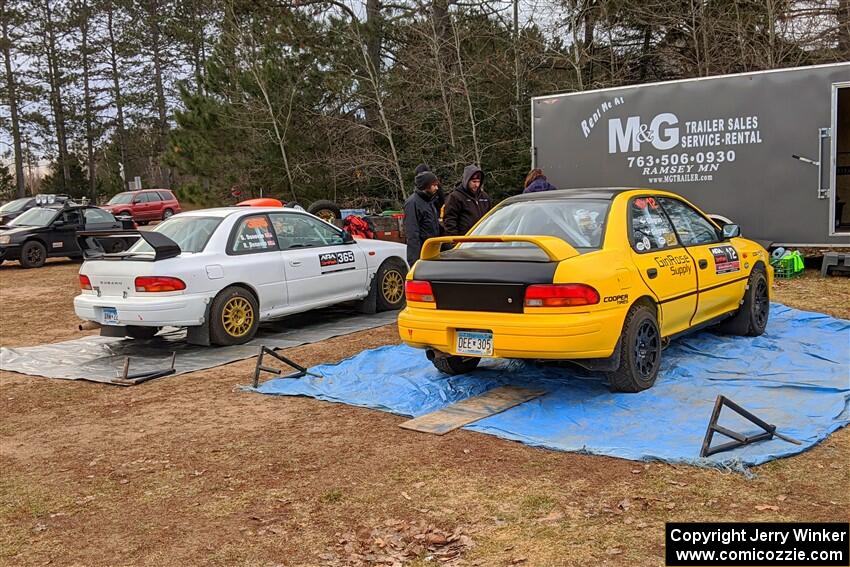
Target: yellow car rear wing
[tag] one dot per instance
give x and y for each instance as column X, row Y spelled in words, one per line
column 555, row 248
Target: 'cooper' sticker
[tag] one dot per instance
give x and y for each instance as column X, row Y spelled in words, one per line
column 57, row 244
column 329, row 259
column 725, row 259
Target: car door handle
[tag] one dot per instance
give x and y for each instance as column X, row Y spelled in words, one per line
column 652, row 272
column 295, row 262
column 703, row 264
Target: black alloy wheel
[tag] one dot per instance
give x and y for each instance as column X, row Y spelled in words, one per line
column 33, row 254
column 761, row 304
column 639, row 351
column 647, row 348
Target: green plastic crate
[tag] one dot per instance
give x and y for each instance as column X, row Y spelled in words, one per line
column 789, row 266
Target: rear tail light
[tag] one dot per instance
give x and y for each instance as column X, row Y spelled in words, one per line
column 85, row 282
column 419, row 291
column 560, row 295
column 159, row 284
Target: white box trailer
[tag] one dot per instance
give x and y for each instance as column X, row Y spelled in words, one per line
column 768, row 150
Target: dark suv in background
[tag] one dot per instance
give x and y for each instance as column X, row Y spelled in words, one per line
column 50, row 230
column 14, row 208
column 145, row 205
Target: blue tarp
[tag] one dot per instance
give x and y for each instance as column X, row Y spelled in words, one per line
column 796, row 376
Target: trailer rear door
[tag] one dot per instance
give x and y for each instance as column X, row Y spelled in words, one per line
column 839, row 171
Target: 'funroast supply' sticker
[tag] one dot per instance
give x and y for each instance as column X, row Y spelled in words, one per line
column 725, row 259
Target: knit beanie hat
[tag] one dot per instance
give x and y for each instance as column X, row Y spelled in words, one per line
column 424, row 180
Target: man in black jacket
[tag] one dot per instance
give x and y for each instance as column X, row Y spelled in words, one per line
column 440, row 196
column 421, row 219
column 467, row 203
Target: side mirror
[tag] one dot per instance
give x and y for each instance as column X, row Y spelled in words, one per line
column 60, row 224
column 347, row 238
column 731, row 230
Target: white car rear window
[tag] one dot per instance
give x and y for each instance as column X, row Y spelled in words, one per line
column 190, row 233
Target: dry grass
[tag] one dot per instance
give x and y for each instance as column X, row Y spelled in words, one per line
column 811, row 292
column 190, row 471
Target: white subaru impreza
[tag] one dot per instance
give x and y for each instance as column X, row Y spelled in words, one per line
column 220, row 272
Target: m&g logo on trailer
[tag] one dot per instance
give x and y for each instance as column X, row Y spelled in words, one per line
column 666, row 149
column 660, row 132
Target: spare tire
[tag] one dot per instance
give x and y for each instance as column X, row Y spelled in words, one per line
column 325, row 210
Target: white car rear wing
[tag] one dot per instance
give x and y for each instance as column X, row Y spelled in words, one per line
column 95, row 244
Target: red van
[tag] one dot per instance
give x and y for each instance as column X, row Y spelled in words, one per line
column 145, row 205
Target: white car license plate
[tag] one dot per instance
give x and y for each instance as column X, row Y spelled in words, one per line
column 476, row 343
column 110, row 316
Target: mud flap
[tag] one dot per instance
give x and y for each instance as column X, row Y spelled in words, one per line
column 113, row 331
column 200, row 334
column 369, row 304
column 602, row 364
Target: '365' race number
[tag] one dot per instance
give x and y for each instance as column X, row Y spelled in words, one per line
column 336, row 258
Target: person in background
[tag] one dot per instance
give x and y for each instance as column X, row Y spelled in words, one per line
column 535, row 181
column 421, row 219
column 440, row 196
column 467, row 203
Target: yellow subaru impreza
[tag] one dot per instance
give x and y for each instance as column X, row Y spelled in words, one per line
column 601, row 277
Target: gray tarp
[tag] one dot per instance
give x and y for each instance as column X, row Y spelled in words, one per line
column 101, row 359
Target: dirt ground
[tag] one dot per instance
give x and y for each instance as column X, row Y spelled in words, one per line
column 188, row 470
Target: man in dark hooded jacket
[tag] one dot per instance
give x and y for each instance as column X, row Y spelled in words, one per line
column 467, row 203
column 421, row 219
column 439, row 196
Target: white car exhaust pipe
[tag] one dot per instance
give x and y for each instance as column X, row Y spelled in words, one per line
column 88, row 326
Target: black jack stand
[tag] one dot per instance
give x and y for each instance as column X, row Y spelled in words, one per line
column 128, row 379
column 276, row 371
column 739, row 439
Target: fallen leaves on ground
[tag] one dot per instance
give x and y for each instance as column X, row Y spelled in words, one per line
column 398, row 542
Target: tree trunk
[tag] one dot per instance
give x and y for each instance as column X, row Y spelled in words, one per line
column 470, row 108
column 440, row 20
column 589, row 28
column 13, row 103
column 87, row 103
column 156, row 56
column 119, row 103
column 844, row 29
column 197, row 47
column 436, row 48
column 644, row 54
column 55, row 80
column 517, row 89
column 373, row 43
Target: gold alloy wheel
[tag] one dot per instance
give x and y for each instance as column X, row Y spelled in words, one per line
column 393, row 286
column 237, row 317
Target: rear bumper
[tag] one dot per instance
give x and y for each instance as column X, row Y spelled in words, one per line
column 517, row 335
column 174, row 311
